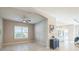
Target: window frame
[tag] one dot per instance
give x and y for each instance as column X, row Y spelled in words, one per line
column 24, row 32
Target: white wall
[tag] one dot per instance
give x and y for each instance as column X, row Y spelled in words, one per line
column 41, row 32
column 1, row 32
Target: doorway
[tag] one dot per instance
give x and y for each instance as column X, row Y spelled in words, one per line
column 63, row 36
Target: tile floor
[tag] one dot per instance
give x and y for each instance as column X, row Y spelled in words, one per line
column 24, row 47
column 67, row 46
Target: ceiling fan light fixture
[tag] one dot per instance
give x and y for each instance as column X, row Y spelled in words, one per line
column 24, row 21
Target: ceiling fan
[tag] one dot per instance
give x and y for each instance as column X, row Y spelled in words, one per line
column 25, row 19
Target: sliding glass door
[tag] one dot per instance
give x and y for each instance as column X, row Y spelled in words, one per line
column 62, row 35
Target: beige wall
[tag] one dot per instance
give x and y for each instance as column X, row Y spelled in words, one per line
column 9, row 31
column 1, row 32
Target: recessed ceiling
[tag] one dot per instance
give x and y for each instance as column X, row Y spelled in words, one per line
column 17, row 14
column 64, row 15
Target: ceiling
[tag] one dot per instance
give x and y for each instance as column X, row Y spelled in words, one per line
column 16, row 14
column 63, row 15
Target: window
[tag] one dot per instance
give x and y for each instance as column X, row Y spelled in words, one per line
column 20, row 32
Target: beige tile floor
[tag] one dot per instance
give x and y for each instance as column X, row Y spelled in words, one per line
column 24, row 47
column 67, row 46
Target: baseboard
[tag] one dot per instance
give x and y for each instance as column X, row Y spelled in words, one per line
column 12, row 43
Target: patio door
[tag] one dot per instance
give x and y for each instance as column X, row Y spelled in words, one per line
column 63, row 35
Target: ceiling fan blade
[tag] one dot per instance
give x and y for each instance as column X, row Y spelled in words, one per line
column 26, row 19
